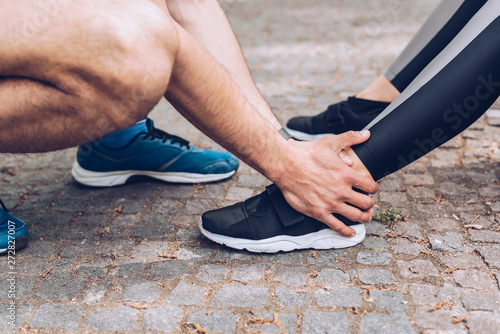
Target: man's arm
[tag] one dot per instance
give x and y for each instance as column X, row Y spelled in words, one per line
column 313, row 178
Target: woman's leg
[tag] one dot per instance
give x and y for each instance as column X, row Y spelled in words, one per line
column 452, row 92
column 437, row 32
column 440, row 28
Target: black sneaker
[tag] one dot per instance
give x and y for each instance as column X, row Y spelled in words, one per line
column 266, row 223
column 353, row 114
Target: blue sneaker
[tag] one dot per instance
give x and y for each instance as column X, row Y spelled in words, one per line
column 13, row 232
column 152, row 153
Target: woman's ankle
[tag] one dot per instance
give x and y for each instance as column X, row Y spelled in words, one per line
column 380, row 89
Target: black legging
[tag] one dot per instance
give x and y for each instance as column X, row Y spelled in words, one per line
column 436, row 33
column 449, row 94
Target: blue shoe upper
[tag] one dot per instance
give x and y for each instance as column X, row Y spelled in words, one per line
column 158, row 151
column 10, row 228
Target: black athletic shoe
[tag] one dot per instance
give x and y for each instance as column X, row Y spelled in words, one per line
column 266, row 223
column 353, row 114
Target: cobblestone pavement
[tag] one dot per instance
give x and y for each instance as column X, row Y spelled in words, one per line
column 132, row 259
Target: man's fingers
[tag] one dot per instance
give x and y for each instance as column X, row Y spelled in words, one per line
column 362, row 201
column 355, row 214
column 346, row 158
column 365, row 183
column 339, row 227
column 351, row 138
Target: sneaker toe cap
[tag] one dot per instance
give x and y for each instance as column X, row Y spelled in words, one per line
column 301, row 123
column 230, row 221
column 221, row 166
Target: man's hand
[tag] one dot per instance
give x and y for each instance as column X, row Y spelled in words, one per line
column 317, row 182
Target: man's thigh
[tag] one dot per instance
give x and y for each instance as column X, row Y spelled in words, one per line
column 48, row 39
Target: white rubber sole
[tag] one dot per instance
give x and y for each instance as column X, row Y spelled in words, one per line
column 109, row 179
column 324, row 239
column 20, row 243
column 306, row 136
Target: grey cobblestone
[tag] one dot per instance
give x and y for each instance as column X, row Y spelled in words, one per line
column 388, row 300
column 375, row 276
column 481, row 301
column 291, row 298
column 139, row 290
column 246, row 273
column 374, row 258
column 187, row 294
column 464, row 261
column 166, row 318
column 491, row 255
column 60, row 289
column 214, row 321
column 338, row 296
column 417, row 268
column 396, row 323
column 10, row 319
column 118, row 318
column 149, row 250
column 117, row 247
column 404, row 246
column 95, row 293
column 291, row 276
column 332, row 276
column 281, row 322
column 76, row 249
column 98, row 268
column 130, row 268
column 242, row 296
column 375, row 243
column 170, row 269
column 483, row 323
column 212, row 273
column 316, row 322
column 328, row 258
column 57, row 315
column 473, row 279
column 238, row 194
column 193, row 253
column 23, row 288
column 447, row 243
column 485, row 236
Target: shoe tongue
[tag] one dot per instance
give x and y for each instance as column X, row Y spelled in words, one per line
column 352, row 114
column 149, row 124
column 288, row 215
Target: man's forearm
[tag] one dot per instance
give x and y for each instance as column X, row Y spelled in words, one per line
column 207, row 96
column 311, row 175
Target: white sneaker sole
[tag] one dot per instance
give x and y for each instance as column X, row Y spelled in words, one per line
column 324, row 239
column 20, row 243
column 109, row 179
column 306, row 136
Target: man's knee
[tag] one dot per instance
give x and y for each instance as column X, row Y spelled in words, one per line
column 145, row 45
column 116, row 55
column 134, row 60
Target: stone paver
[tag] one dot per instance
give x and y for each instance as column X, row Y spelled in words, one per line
column 132, row 259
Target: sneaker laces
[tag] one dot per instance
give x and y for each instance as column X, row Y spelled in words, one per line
column 154, row 133
column 3, row 206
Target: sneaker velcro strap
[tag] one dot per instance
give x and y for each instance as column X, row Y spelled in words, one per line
column 288, row 215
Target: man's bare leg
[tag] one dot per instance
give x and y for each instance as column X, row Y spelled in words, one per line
column 69, row 78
